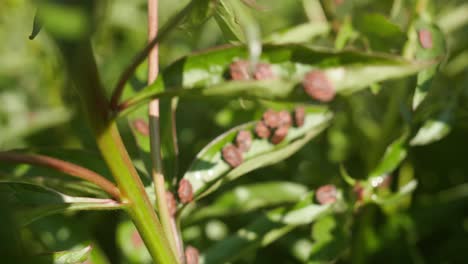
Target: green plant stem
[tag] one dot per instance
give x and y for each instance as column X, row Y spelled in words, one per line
column 83, row 71
column 65, row 167
column 155, row 138
column 142, row 55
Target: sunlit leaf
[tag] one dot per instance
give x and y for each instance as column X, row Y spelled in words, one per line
column 298, row 34
column 33, row 201
column 404, row 191
column 73, row 256
column 263, row 231
column 209, row 169
column 454, row 19
column 246, row 198
column 393, row 156
column 433, row 130
column 205, row 74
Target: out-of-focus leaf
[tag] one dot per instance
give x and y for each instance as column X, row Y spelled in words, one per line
column 436, row 51
column 299, row 34
column 209, row 170
column 345, row 34
column 246, row 198
column 66, row 21
column 263, row 231
column 33, row 201
column 433, row 129
column 330, row 239
column 314, row 10
column 204, row 74
column 381, row 33
column 22, row 127
column 393, row 156
column 131, row 244
column 454, row 19
column 404, row 191
column 62, row 234
column 72, row 256
column 457, row 65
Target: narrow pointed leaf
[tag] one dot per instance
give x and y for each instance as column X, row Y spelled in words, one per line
column 299, row 34
column 34, row 201
column 209, row 169
column 72, row 256
column 433, row 130
column 403, row 192
column 393, row 156
column 205, row 74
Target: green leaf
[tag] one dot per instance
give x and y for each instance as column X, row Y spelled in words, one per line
column 204, row 74
column 21, row 127
column 435, row 53
column 209, row 170
column 66, row 21
column 381, row 33
column 34, row 201
column 265, row 230
column 331, row 238
column 299, row 34
column 247, row 198
column 433, row 129
column 403, row 192
column 393, row 156
column 72, row 256
column 67, row 233
column 454, row 19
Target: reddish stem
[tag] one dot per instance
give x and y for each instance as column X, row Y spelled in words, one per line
column 65, row 167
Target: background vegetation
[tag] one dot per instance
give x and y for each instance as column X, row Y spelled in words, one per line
column 40, row 110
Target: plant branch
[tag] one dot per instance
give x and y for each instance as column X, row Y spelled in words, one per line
column 155, row 134
column 141, row 56
column 65, row 167
column 83, row 71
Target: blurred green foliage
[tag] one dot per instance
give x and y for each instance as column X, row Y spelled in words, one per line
column 39, row 110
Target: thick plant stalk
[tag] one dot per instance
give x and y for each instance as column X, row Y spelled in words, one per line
column 157, row 172
column 82, row 68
